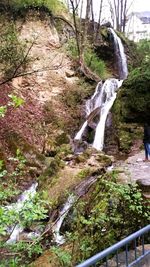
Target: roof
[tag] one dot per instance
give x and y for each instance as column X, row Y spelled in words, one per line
column 144, row 16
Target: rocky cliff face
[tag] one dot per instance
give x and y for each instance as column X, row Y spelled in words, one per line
column 48, row 77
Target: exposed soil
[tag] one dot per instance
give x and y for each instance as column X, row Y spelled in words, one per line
column 30, row 124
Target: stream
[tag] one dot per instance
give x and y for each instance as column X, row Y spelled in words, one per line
column 99, row 104
column 25, row 197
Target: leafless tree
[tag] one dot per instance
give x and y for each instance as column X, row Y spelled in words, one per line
column 99, row 18
column 74, row 7
column 119, row 10
column 81, row 28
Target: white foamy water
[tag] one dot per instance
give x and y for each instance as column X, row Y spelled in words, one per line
column 59, row 239
column 104, row 96
column 26, row 196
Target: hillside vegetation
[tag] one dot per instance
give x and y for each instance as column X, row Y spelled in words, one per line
column 44, row 84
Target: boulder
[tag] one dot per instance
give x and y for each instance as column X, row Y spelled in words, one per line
column 144, row 185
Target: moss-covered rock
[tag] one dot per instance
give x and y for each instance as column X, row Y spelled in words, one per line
column 33, row 156
column 134, row 98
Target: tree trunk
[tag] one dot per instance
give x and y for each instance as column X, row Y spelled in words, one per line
column 76, row 28
column 99, row 19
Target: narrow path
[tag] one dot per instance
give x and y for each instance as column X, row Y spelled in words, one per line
column 134, row 168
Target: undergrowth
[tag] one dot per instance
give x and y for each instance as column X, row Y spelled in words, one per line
column 90, row 58
column 53, row 6
column 12, row 51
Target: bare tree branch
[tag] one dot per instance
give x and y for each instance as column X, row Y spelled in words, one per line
column 65, row 20
column 32, row 72
column 25, row 57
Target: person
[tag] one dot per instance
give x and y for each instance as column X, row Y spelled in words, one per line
column 146, row 141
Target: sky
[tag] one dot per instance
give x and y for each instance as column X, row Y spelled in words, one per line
column 141, row 5
column 137, row 6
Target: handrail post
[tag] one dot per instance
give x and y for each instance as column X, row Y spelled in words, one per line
column 107, row 252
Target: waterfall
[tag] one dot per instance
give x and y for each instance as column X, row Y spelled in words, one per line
column 110, row 86
column 104, row 97
column 121, row 57
column 26, row 196
column 79, row 191
column 59, row 239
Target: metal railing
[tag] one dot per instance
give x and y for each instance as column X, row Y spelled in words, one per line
column 116, row 247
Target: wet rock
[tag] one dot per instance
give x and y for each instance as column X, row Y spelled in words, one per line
column 79, row 146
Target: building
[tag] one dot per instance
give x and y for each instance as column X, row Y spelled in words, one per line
column 138, row 26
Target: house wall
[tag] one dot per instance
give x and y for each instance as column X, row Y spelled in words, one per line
column 136, row 30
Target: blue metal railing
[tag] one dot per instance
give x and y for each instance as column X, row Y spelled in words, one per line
column 114, row 250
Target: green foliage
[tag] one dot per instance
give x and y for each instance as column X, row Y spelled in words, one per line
column 54, row 6
column 33, row 209
column 90, row 58
column 11, row 263
column 27, row 249
column 95, row 63
column 11, row 50
column 144, row 50
column 133, row 101
column 71, row 48
column 16, row 101
column 103, row 219
column 23, row 252
column 8, row 179
column 3, row 110
column 64, row 257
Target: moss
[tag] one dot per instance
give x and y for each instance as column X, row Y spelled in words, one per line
column 62, row 138
column 104, row 159
column 81, row 158
column 133, row 100
column 84, row 173
column 15, row 141
column 104, row 33
column 64, row 150
column 54, row 165
column 19, row 8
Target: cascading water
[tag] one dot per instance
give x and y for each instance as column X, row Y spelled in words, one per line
column 121, row 57
column 80, row 190
column 59, row 239
column 104, row 96
column 26, row 196
column 109, row 91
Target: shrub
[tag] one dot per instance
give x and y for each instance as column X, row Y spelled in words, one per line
column 71, row 48
column 103, row 218
column 12, row 51
column 54, row 6
column 95, row 63
column 90, row 58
